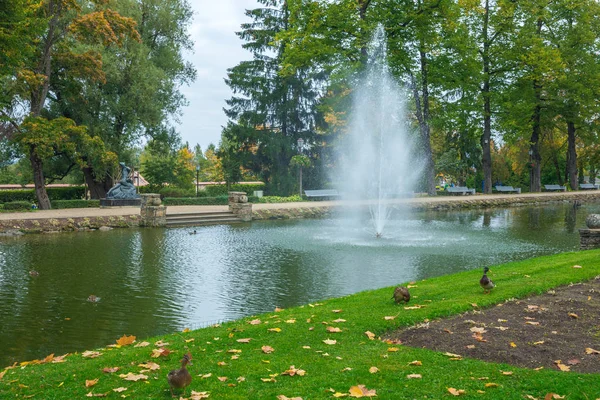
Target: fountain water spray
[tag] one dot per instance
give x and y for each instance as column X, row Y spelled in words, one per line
column 376, row 157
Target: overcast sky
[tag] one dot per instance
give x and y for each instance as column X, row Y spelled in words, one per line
column 216, row 48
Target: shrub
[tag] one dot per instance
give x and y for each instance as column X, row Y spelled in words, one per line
column 60, row 193
column 61, row 204
column 279, row 199
column 18, row 205
column 202, row 201
column 221, row 190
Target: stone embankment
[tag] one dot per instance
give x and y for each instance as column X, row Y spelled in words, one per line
column 92, row 219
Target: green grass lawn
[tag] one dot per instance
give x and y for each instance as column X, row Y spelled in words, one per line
column 228, row 369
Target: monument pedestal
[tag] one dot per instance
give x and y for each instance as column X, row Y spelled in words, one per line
column 120, row 203
column 152, row 213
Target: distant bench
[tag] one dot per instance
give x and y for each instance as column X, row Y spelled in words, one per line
column 460, row 190
column 588, row 186
column 555, row 188
column 500, row 188
column 322, row 193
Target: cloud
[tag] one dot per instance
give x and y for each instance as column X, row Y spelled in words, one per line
column 216, row 48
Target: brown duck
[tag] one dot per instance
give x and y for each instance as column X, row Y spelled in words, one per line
column 401, row 294
column 180, row 378
column 485, row 282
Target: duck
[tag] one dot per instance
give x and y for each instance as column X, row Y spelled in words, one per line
column 401, row 294
column 180, row 378
column 93, row 299
column 34, row 273
column 193, row 232
column 485, row 282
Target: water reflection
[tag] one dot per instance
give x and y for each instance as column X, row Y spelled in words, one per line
column 153, row 281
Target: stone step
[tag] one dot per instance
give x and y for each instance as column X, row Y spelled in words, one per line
column 209, row 215
column 204, row 221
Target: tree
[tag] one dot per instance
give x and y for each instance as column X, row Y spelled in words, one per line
column 271, row 109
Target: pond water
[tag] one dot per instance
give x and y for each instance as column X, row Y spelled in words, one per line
column 154, row 281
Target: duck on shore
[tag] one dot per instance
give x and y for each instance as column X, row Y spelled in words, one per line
column 485, row 282
column 180, row 378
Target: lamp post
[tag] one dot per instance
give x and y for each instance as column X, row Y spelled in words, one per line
column 197, row 177
column 300, row 147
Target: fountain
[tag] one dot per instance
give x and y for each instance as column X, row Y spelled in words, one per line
column 377, row 156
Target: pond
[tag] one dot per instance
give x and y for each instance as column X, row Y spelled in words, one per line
column 154, row 281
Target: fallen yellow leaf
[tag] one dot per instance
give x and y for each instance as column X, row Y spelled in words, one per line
column 389, row 318
column 456, row 392
column 125, row 340
column 255, row 322
column 142, row 344
column 333, row 329
column 282, row 397
column 294, row 371
column 491, row 385
column 329, row 341
column 414, row 376
column 199, row 395
column 222, row 378
column 267, row 349
column 151, row 366
column 245, row 340
column 573, row 315
column 274, row 330
column 416, row 362
column 513, row 344
column 392, row 349
column 589, row 350
column 370, row 335
column 91, row 354
column 373, row 370
column 120, row 389
column 133, row 377
column 362, row 391
column 90, row 383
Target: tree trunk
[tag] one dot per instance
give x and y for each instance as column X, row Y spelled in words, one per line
column 535, row 180
column 97, row 188
column 38, row 180
column 486, row 159
column 572, row 156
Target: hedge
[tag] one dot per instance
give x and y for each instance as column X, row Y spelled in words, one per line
column 221, row 190
column 60, row 204
column 18, row 205
column 59, row 193
column 202, row 201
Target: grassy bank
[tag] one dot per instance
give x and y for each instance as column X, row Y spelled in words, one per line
column 230, row 361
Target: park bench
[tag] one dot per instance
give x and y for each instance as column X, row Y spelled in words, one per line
column 501, row 188
column 322, row 193
column 460, row 190
column 588, row 186
column 555, row 188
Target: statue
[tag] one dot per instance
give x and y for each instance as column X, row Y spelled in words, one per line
column 124, row 189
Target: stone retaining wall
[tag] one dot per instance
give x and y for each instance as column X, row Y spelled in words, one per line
column 53, row 225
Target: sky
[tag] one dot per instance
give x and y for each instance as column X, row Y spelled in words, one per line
column 216, row 48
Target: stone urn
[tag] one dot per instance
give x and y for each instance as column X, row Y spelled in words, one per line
column 593, row 221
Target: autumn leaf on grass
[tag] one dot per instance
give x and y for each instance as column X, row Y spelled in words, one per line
column 491, row 385
column 160, row 353
column 133, row 377
column 277, row 309
column 576, row 266
column 255, row 322
column 91, row 354
column 373, row 370
column 110, row 370
column 416, row 362
column 453, row 356
column 456, row 392
column 329, row 341
column 2, row 374
column 267, row 349
column 125, row 340
column 120, row 389
column 414, row 376
column 333, row 329
column 290, row 321
column 551, row 396
column 160, row 343
column 222, row 378
column 388, row 318
column 90, row 383
column 338, row 394
column 199, row 395
column 245, row 340
column 370, row 335
column 293, row 371
column 151, row 366
column 561, row 366
column 142, row 344
column 90, row 394
column 507, row 373
column 282, row 397
column 277, row 330
column 589, row 350
column 362, row 391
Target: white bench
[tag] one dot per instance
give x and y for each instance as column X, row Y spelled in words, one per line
column 588, row 186
column 460, row 190
column 555, row 188
column 321, row 193
column 500, row 188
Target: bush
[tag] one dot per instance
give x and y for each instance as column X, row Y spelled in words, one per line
column 60, row 193
column 202, row 201
column 279, row 199
column 221, row 190
column 61, row 204
column 18, row 205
